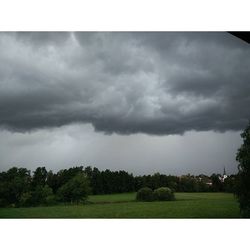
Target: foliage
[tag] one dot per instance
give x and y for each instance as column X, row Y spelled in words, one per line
column 144, row 194
column 108, row 182
column 25, row 200
column 188, row 184
column 243, row 179
column 217, row 185
column 52, row 181
column 75, row 190
column 42, row 195
column 63, row 176
column 156, row 180
column 13, row 184
column 163, row 194
column 19, row 188
column 39, row 177
column 230, row 184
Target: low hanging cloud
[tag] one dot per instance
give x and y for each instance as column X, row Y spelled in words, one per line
column 153, row 82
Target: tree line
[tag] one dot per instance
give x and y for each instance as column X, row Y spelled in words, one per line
column 20, row 187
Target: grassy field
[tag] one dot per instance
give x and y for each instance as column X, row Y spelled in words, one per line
column 187, row 205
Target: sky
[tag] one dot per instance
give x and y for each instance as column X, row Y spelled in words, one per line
column 144, row 102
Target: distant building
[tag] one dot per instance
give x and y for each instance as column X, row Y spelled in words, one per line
column 209, row 183
column 205, row 179
column 224, row 176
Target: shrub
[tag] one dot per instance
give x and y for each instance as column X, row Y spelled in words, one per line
column 163, row 194
column 144, row 194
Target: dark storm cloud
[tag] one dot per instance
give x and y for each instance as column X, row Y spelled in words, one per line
column 155, row 83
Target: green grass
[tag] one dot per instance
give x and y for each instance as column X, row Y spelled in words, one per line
column 187, row 205
column 112, row 198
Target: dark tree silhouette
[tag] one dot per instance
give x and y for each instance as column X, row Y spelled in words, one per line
column 39, row 177
column 243, row 180
column 75, row 190
column 13, row 184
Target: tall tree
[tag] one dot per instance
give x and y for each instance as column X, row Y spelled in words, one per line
column 75, row 190
column 52, row 181
column 13, row 184
column 39, row 177
column 243, row 183
column 217, row 185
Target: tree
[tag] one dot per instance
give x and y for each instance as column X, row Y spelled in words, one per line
column 217, row 185
column 229, row 184
column 96, row 182
column 75, row 190
column 243, row 179
column 144, row 194
column 52, row 181
column 13, row 184
column 163, row 194
column 42, row 195
column 63, row 176
column 39, row 177
column 188, row 183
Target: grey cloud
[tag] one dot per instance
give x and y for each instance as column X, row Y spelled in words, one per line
column 154, row 83
column 41, row 38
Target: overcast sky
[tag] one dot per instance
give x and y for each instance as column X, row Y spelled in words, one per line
column 164, row 102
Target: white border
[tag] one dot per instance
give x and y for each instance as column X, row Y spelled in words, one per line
column 129, row 15
column 124, row 234
column 126, row 15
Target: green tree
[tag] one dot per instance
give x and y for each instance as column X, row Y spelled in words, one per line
column 229, row 184
column 163, row 194
column 52, row 181
column 13, row 184
column 26, row 200
column 75, row 190
column 217, row 185
column 63, row 176
column 243, row 180
column 96, row 182
column 188, row 183
column 39, row 177
column 41, row 195
column 144, row 194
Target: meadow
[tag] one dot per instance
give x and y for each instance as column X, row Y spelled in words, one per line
column 186, row 205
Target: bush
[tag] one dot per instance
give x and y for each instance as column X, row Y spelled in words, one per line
column 144, row 194
column 163, row 194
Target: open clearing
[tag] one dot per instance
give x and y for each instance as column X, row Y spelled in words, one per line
column 187, row 205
